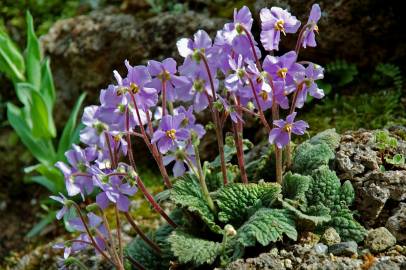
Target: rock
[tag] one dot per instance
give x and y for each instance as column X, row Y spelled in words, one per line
column 330, row 237
column 385, row 265
column 396, row 224
column 320, row 248
column 99, row 42
column 359, row 158
column 371, row 200
column 263, row 261
column 379, row 239
column 344, row 249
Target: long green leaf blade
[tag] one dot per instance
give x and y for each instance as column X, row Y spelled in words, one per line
column 37, row 147
column 47, row 85
column 69, row 134
column 42, row 121
column 11, row 59
column 33, row 54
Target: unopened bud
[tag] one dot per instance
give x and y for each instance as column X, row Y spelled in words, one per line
column 230, row 231
column 92, row 207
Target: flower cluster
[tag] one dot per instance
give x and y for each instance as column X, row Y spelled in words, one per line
column 157, row 103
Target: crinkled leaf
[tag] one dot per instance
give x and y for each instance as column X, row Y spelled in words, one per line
column 347, row 193
column 294, row 186
column 308, row 157
column 324, row 189
column 266, row 226
column 187, row 193
column 190, row 249
column 328, row 136
column 33, row 55
column 346, row 226
column 234, row 200
column 316, row 216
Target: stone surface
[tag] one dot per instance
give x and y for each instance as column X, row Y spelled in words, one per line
column 379, row 239
column 396, row 224
column 344, row 249
column 330, row 237
column 378, row 191
column 86, row 49
column 320, row 248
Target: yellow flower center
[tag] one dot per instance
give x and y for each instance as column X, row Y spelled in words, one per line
column 264, row 95
column 134, row 88
column 279, row 26
column 121, row 90
column 164, row 75
column 316, row 28
column 288, row 128
column 171, row 134
column 282, row 73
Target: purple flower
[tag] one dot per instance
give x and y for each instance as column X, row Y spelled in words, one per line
column 113, row 190
column 200, row 44
column 165, row 71
column 64, row 201
column 93, row 131
column 283, row 67
column 170, row 132
column 230, row 110
column 236, row 79
column 135, row 82
column 180, row 157
column 273, row 22
column 280, row 135
column 189, row 122
column 312, row 73
column 309, row 36
column 79, row 160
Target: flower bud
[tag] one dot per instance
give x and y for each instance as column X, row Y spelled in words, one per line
column 229, row 230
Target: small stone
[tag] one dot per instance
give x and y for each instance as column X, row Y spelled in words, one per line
column 283, row 253
column 320, row 248
column 344, row 248
column 288, row 263
column 274, row 252
column 379, row 239
column 330, row 237
column 385, row 265
column 396, row 224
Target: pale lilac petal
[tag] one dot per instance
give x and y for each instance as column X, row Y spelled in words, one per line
column 154, row 67
column 159, row 134
column 123, row 203
column 179, row 168
column 184, row 47
column 169, row 65
column 168, row 159
column 182, row 134
column 299, row 127
column 102, row 200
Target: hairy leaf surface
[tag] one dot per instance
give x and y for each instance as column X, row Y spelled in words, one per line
column 190, row 249
column 235, row 200
column 266, row 226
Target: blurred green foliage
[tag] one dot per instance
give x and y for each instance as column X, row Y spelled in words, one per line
column 33, row 83
column 376, row 99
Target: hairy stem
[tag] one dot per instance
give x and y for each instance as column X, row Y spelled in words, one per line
column 261, row 112
column 216, row 120
column 202, row 179
column 142, row 235
column 237, row 131
column 96, row 246
column 141, row 185
column 152, row 147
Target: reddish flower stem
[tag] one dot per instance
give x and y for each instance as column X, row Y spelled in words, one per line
column 91, row 236
column 261, row 112
column 135, row 263
column 216, row 120
column 254, row 52
column 141, row 185
column 237, row 131
column 152, row 147
column 163, row 94
column 142, row 235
